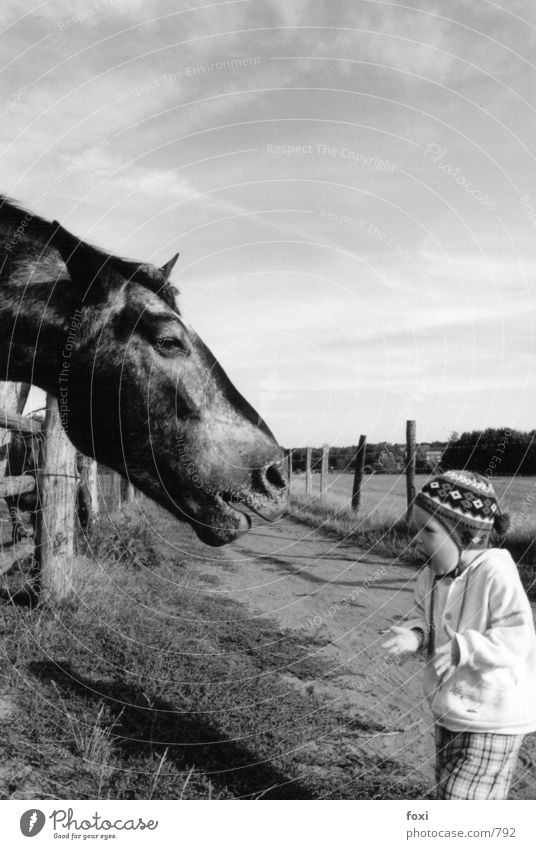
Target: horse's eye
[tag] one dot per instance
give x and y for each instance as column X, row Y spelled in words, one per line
column 169, row 346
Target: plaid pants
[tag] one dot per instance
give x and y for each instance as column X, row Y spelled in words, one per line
column 473, row 765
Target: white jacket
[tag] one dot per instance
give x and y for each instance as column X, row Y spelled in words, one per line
column 493, row 688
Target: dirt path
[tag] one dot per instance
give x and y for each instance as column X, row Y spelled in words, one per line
column 341, row 599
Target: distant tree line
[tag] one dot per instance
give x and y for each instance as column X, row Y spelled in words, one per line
column 494, row 451
column 380, row 457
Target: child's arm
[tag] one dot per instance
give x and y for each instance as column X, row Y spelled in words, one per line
column 416, row 617
column 412, row 634
column 509, row 636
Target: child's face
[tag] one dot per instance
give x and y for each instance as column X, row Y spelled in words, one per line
column 435, row 542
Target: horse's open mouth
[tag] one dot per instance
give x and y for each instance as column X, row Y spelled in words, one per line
column 232, row 505
column 221, row 521
column 229, row 516
column 246, row 502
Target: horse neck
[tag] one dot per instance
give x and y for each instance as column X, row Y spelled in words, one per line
column 35, row 315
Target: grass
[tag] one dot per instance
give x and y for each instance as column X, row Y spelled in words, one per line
column 157, row 687
column 384, row 534
column 380, row 524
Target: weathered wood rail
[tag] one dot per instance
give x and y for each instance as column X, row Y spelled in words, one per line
column 58, row 479
column 24, row 424
column 11, row 486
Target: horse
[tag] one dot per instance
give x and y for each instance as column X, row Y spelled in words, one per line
column 137, row 388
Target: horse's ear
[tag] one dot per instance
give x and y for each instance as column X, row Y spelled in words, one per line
column 84, row 264
column 168, row 267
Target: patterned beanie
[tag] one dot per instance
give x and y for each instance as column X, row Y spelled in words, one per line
column 466, row 505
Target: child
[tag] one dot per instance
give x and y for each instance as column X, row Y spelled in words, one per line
column 474, row 619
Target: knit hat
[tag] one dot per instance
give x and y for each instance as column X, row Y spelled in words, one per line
column 466, row 505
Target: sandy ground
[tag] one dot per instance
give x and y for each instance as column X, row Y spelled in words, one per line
column 342, row 599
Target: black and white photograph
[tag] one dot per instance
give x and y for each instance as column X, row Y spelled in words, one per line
column 268, row 419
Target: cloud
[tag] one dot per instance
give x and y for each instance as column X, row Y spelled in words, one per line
column 104, row 123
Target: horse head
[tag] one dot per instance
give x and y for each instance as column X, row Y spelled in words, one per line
column 140, row 391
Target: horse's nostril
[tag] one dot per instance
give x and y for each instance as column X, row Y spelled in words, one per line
column 275, row 477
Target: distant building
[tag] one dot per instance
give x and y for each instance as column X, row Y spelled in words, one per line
column 433, row 459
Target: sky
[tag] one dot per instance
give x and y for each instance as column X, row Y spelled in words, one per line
column 351, row 185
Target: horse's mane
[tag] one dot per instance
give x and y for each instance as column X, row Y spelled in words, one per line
column 13, row 216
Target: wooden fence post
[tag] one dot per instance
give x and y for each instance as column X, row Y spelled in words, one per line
column 88, row 495
column 324, row 471
column 127, row 492
column 411, row 462
column 12, row 400
column 358, row 474
column 308, row 474
column 116, row 493
column 92, row 479
column 55, row 534
column 289, row 471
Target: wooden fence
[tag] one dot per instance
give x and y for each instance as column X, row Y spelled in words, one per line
column 62, row 478
column 359, row 461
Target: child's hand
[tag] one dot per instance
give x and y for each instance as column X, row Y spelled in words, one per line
column 446, row 657
column 402, row 640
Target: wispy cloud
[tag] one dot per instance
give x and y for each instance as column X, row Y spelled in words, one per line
column 224, row 130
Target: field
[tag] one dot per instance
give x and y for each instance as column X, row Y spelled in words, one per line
column 384, row 496
column 379, row 523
